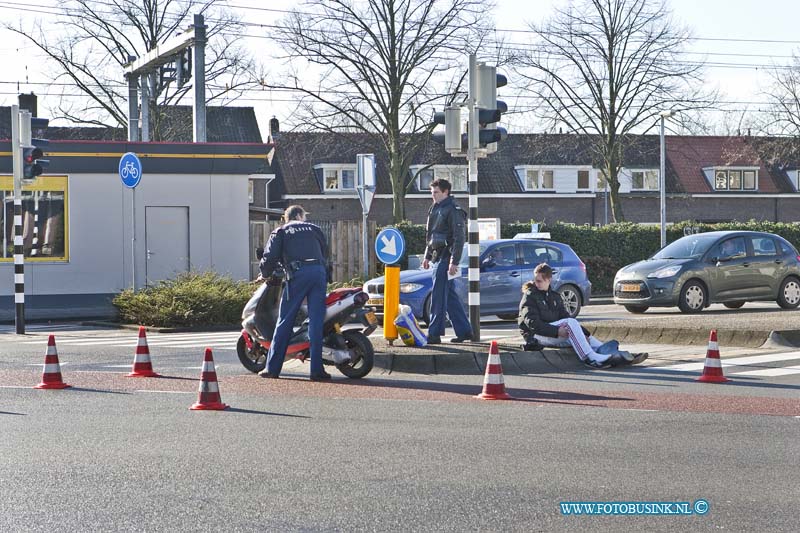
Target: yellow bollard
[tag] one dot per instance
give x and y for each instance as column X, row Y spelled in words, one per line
column 391, row 301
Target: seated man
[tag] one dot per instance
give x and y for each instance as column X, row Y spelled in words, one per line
column 544, row 321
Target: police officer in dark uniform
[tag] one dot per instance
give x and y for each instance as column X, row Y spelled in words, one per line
column 445, row 234
column 300, row 247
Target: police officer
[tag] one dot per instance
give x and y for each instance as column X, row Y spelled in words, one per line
column 445, row 234
column 301, row 249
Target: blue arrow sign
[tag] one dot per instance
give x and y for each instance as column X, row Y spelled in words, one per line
column 130, row 170
column 390, row 246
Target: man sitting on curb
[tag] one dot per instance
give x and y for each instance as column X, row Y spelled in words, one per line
column 544, row 321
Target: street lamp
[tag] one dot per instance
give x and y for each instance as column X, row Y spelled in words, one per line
column 662, row 180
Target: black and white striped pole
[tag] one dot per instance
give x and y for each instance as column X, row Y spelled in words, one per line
column 19, row 258
column 473, row 146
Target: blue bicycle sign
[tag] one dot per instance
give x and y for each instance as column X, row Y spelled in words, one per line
column 130, row 170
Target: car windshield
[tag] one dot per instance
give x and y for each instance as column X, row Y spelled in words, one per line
column 689, row 247
column 465, row 254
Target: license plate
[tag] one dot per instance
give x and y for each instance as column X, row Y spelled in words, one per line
column 629, row 287
column 371, row 318
column 375, row 301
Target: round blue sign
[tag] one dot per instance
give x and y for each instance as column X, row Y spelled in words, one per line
column 130, row 170
column 390, row 246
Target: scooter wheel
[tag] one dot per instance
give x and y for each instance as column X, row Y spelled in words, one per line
column 362, row 355
column 254, row 360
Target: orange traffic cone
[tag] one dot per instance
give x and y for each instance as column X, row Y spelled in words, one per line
column 51, row 374
column 494, row 387
column 208, row 399
column 142, row 368
column 712, row 371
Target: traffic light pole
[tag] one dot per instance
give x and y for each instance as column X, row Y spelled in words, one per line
column 474, row 245
column 19, row 256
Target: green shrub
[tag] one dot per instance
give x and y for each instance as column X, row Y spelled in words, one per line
column 191, row 299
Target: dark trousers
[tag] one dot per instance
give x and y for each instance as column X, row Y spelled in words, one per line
column 445, row 302
column 307, row 282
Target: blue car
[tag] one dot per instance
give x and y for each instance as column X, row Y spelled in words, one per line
column 505, row 265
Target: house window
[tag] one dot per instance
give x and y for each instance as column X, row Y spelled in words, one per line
column 456, row 175
column 250, row 191
column 531, row 180
column 44, row 218
column 644, row 180
column 337, row 177
column 749, row 180
column 547, row 179
column 535, row 179
column 583, row 179
column 735, row 180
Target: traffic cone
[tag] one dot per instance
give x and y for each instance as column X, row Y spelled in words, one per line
column 142, row 368
column 712, row 370
column 494, row 387
column 208, row 399
column 51, row 374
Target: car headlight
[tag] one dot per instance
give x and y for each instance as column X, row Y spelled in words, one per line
column 405, row 288
column 666, row 272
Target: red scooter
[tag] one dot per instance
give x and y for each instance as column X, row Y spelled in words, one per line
column 349, row 350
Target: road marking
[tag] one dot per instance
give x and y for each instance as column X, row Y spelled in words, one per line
column 167, row 391
column 772, row 372
column 738, row 361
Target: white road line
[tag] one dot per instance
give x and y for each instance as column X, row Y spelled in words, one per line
column 738, row 361
column 772, row 372
column 167, row 391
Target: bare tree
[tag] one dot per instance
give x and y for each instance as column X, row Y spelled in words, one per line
column 606, row 68
column 779, row 124
column 380, row 64
column 92, row 41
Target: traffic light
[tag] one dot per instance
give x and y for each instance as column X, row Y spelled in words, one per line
column 490, row 109
column 453, row 140
column 183, row 67
column 33, row 163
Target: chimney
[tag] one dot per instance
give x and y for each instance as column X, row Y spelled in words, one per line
column 28, row 103
column 274, row 128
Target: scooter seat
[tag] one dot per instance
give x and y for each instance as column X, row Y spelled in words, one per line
column 339, row 294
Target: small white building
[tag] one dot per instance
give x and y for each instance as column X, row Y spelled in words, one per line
column 87, row 236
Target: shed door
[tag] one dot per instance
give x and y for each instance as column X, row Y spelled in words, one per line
column 167, row 242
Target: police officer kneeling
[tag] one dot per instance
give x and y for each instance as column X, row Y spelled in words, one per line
column 301, row 249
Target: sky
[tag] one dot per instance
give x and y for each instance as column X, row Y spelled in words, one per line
column 740, row 39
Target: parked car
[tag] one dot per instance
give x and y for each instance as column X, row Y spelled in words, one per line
column 505, row 265
column 728, row 267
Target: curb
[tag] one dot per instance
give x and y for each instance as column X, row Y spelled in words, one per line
column 694, row 336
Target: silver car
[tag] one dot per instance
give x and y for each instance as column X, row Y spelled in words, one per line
column 728, row 267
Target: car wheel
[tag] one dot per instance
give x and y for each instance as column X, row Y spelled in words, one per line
column 507, row 316
column 789, row 293
column 693, row 297
column 636, row 309
column 572, row 299
column 426, row 311
column 733, row 305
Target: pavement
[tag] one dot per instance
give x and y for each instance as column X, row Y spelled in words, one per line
column 744, row 329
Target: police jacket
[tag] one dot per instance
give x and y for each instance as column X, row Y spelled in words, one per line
column 446, row 229
column 295, row 243
column 537, row 309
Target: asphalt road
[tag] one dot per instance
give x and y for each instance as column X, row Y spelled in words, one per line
column 394, row 452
